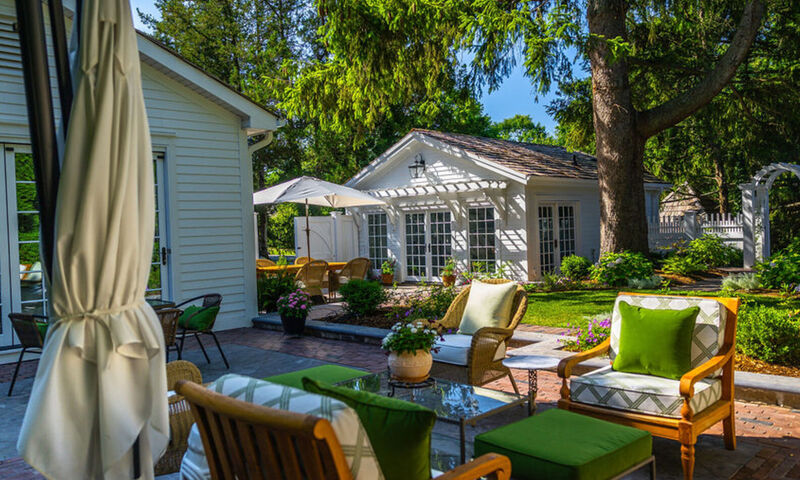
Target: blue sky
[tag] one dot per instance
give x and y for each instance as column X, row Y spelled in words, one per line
column 515, row 95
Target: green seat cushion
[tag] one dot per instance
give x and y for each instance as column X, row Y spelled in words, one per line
column 323, row 373
column 42, row 327
column 655, row 341
column 561, row 445
column 201, row 321
column 399, row 431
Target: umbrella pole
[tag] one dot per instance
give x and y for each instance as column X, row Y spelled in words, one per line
column 308, row 234
column 40, row 120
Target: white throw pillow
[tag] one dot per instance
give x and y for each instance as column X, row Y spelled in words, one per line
column 488, row 305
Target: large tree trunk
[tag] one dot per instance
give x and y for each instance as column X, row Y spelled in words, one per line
column 620, row 148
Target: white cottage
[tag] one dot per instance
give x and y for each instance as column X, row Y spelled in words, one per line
column 200, row 129
column 481, row 200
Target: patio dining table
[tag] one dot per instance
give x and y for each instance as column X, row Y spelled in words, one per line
column 333, row 267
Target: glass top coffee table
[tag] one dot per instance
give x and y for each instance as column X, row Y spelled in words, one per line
column 453, row 402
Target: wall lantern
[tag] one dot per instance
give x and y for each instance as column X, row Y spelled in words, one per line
column 417, row 168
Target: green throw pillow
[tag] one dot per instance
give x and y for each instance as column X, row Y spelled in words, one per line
column 655, row 342
column 488, row 305
column 197, row 322
column 42, row 327
column 399, row 431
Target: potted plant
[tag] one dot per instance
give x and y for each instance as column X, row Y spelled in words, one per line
column 409, row 346
column 387, row 272
column 449, row 272
column 293, row 309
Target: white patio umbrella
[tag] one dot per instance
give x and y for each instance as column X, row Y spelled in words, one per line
column 313, row 191
column 99, row 399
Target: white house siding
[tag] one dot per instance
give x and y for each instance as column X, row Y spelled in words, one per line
column 209, row 175
column 442, row 167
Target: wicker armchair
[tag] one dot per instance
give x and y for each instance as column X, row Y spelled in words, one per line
column 311, row 277
column 169, row 324
column 355, row 268
column 180, row 416
column 243, row 440
column 302, row 260
column 488, row 345
column 26, row 327
column 264, row 262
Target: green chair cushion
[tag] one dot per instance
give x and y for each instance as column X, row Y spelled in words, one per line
column 42, row 327
column 558, row 444
column 201, row 321
column 655, row 342
column 323, row 373
column 399, row 431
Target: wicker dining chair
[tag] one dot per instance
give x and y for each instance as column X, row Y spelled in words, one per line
column 311, row 277
column 210, row 300
column 302, row 260
column 247, row 441
column 26, row 327
column 180, row 416
column 483, row 365
column 355, row 268
column 264, row 262
column 169, row 325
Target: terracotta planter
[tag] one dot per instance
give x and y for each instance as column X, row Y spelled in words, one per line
column 448, row 280
column 293, row 325
column 410, row 367
column 387, row 278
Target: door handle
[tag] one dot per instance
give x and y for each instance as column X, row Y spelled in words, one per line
column 164, row 252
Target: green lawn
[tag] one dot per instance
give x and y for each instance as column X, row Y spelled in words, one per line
column 560, row 309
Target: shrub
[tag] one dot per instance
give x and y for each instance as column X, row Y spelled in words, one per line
column 711, row 251
column 553, row 282
column 362, row 297
column 648, row 283
column 782, row 270
column 430, row 302
column 273, row 287
column 741, row 281
column 682, row 265
column 576, row 267
column 769, row 334
column 596, row 331
column 615, row 269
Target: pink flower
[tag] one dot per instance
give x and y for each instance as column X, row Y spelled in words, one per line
column 303, row 307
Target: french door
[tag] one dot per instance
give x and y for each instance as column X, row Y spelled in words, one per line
column 556, row 235
column 429, row 243
column 158, row 283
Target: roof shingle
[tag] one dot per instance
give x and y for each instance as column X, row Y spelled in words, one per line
column 526, row 158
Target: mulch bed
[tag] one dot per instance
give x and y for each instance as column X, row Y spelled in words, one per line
column 378, row 319
column 747, row 364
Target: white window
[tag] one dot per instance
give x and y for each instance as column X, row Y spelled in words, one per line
column 377, row 239
column 482, row 238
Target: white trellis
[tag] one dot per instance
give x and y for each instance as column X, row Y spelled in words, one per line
column 755, row 210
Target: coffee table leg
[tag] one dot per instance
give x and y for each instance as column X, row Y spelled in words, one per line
column 463, row 438
column 533, row 388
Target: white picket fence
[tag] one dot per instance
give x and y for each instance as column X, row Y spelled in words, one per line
column 665, row 230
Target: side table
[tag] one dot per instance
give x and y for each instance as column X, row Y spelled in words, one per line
column 531, row 363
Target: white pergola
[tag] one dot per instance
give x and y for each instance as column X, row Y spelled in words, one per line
column 755, row 210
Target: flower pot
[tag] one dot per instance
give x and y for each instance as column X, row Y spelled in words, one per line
column 410, row 367
column 387, row 278
column 448, row 280
column 293, row 325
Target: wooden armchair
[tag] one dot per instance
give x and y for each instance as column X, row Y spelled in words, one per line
column 677, row 409
column 486, row 348
column 247, row 441
column 180, row 416
column 311, row 277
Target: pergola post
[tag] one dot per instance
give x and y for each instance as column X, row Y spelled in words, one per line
column 748, row 227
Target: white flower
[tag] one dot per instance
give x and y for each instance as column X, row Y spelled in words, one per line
column 413, row 330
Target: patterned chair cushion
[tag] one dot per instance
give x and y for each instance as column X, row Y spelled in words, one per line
column 709, row 330
column 345, row 422
column 641, row 393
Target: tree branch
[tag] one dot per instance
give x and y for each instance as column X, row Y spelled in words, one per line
column 659, row 118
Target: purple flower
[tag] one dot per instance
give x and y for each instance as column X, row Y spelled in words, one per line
column 303, row 307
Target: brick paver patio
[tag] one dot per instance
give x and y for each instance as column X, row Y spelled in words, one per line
column 769, row 447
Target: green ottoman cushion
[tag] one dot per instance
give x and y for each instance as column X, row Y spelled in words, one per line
column 558, row 444
column 324, row 373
